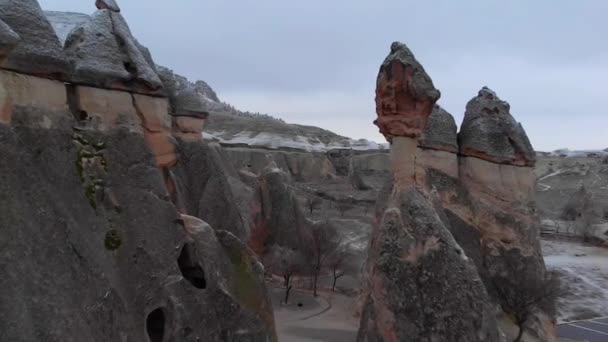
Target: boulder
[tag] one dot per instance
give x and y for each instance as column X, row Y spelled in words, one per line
column 489, row 132
column 405, row 94
column 39, row 51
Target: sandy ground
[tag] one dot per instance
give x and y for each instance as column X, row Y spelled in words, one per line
column 583, row 272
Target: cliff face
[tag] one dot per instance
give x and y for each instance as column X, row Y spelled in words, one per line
column 457, row 238
column 93, row 245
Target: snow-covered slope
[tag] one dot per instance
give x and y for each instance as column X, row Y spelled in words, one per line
column 267, row 132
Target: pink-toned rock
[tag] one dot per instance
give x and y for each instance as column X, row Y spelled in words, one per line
column 32, row 91
column 154, row 112
column 103, row 109
column 162, row 145
column 405, row 95
column 6, row 106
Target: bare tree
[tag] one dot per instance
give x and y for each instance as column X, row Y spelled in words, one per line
column 313, row 203
column 286, row 263
column 324, row 241
column 336, row 263
column 520, row 300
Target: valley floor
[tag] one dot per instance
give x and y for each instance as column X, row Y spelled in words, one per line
column 583, row 272
column 333, row 316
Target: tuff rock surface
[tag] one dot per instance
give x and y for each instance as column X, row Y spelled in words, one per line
column 489, row 132
column 105, row 54
column 39, row 51
column 405, row 94
column 95, row 244
column 422, row 285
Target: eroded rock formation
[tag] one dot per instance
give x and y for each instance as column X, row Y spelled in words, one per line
column 88, row 199
column 481, row 184
column 422, row 285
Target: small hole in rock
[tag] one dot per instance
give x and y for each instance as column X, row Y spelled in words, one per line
column 300, row 305
column 82, row 115
column 155, row 325
column 190, row 268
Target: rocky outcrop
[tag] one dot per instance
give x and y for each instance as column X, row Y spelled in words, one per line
column 39, row 51
column 405, row 94
column 105, row 54
column 489, row 132
column 188, row 107
column 89, row 212
column 422, row 285
column 278, row 218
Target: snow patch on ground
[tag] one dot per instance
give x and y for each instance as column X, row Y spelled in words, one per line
column 583, row 272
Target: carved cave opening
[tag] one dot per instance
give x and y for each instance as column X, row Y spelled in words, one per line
column 155, row 325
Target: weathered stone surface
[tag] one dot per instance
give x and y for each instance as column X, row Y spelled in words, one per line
column 6, row 106
column 8, row 40
column 189, row 103
column 33, row 101
column 489, row 132
column 154, row 112
column 39, row 51
column 405, row 94
column 162, row 145
column 207, row 187
column 300, row 165
column 103, row 109
column 105, row 54
column 188, row 128
column 278, row 219
column 421, row 285
column 440, row 132
column 505, row 182
column 107, row 4
column 127, row 264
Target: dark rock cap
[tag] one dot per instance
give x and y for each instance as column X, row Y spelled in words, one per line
column 188, row 102
column 420, row 84
column 8, row 39
column 105, row 54
column 39, row 52
column 440, row 132
column 489, row 132
column 107, row 4
column 405, row 94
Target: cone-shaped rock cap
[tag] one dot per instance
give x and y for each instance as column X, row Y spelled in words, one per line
column 188, row 102
column 104, row 53
column 8, row 39
column 405, row 94
column 107, row 4
column 441, row 132
column 39, row 51
column 489, row 132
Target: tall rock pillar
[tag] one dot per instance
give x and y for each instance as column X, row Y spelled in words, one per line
column 421, row 285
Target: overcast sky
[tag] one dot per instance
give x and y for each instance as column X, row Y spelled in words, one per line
column 315, row 61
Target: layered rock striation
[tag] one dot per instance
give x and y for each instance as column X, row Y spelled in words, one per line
column 93, row 245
